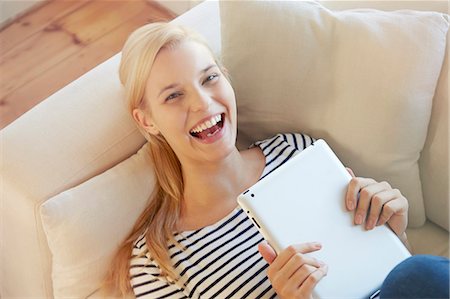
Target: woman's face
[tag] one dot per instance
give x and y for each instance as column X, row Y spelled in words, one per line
column 191, row 103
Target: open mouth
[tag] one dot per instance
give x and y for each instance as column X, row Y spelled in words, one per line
column 208, row 128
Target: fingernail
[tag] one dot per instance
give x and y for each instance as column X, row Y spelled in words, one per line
column 317, row 245
column 321, row 263
column 370, row 224
column 358, row 219
column 350, row 205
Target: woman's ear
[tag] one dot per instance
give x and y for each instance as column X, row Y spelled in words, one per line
column 145, row 121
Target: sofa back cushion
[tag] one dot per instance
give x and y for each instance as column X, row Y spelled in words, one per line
column 363, row 80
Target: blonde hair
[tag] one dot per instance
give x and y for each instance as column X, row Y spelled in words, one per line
column 158, row 220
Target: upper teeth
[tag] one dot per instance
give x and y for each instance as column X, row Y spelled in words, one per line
column 207, row 124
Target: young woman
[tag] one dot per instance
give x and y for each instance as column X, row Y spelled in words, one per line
column 193, row 240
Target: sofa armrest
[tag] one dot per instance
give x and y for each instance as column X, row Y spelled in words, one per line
column 434, row 159
column 76, row 133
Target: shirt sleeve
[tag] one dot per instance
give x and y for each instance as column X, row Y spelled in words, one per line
column 280, row 148
column 297, row 140
column 147, row 281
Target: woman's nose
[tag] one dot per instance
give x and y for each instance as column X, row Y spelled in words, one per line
column 200, row 100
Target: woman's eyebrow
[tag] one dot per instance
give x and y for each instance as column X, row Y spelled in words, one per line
column 208, row 67
column 168, row 87
column 176, row 84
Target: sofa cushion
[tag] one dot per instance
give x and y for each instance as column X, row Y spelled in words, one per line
column 84, row 225
column 434, row 160
column 361, row 79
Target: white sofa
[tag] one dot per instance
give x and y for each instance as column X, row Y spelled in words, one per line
column 84, row 129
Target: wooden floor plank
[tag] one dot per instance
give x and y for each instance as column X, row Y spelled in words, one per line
column 98, row 18
column 39, row 53
column 64, row 72
column 31, row 23
column 61, row 39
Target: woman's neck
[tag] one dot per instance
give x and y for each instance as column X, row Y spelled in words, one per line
column 211, row 189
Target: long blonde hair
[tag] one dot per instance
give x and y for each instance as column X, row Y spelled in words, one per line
column 158, row 220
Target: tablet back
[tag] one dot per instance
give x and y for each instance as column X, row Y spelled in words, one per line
column 304, row 201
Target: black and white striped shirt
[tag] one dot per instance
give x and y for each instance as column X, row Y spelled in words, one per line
column 220, row 260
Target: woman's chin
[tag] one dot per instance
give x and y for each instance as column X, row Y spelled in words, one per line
column 217, row 146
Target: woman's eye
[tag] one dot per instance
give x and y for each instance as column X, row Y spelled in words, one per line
column 173, row 96
column 211, row 77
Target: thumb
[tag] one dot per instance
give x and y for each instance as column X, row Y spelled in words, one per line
column 350, row 171
column 267, row 252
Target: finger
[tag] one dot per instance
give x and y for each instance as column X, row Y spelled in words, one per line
column 390, row 208
column 293, row 286
column 366, row 198
column 267, row 252
column 350, row 171
column 299, row 263
column 378, row 201
column 302, row 274
column 310, row 283
column 355, row 185
column 290, row 287
column 290, row 251
column 296, row 262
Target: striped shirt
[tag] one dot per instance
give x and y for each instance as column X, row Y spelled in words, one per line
column 219, row 260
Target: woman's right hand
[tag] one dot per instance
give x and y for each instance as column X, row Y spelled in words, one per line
column 292, row 273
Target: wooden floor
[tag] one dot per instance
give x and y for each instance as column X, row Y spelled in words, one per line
column 59, row 41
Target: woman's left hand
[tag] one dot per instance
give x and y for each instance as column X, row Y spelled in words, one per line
column 378, row 204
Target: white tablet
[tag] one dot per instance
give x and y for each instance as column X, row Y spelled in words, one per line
column 304, row 201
